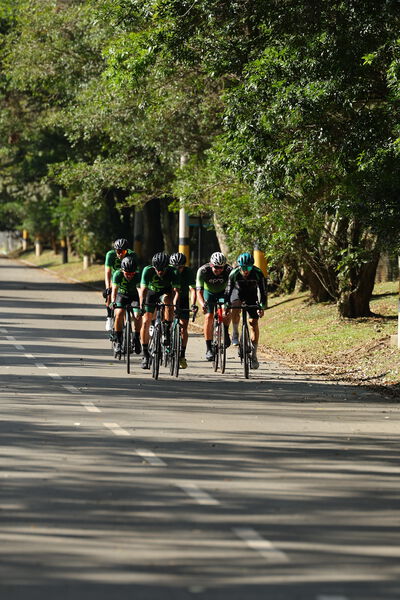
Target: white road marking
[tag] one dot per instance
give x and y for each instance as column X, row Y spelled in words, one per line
column 2, row 330
column 72, row 389
column 254, row 541
column 325, row 597
column 19, row 347
column 150, row 457
column 116, row 429
column 197, row 493
column 40, row 366
column 90, row 406
column 30, row 356
column 11, row 338
column 54, row 375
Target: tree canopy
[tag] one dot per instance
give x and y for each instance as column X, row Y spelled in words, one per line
column 287, row 113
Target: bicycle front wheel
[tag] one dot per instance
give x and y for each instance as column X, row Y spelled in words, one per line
column 246, row 350
column 155, row 352
column 176, row 349
column 216, row 345
column 222, row 349
column 128, row 342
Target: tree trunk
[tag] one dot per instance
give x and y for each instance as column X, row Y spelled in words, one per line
column 152, row 234
column 355, row 303
column 221, row 236
column 318, row 291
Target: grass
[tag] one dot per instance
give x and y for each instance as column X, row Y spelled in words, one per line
column 310, row 336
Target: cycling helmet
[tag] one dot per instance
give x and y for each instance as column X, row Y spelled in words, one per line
column 245, row 260
column 217, row 259
column 178, row 259
column 121, row 244
column 160, row 261
column 128, row 264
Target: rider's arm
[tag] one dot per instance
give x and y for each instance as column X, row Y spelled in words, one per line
column 262, row 290
column 200, row 287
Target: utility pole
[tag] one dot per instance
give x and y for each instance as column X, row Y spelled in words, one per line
column 184, row 224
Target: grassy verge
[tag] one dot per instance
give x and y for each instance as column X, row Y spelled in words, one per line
column 309, row 336
column 314, row 337
column 73, row 269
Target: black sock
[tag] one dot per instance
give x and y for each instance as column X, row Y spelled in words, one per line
column 119, row 336
column 145, row 348
column 208, row 343
column 183, row 350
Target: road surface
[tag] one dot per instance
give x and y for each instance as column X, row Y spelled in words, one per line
column 212, row 487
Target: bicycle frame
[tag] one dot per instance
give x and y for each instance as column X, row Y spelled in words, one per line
column 218, row 343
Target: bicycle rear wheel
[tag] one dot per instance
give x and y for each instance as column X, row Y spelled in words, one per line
column 222, row 349
column 155, row 352
column 216, row 344
column 172, row 356
column 176, row 349
column 246, row 350
column 128, row 342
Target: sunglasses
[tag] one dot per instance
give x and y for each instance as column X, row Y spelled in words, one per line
column 217, row 268
column 246, row 268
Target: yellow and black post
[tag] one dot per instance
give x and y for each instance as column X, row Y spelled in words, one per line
column 259, row 260
column 184, row 234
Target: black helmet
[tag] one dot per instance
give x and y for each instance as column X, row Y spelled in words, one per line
column 160, row 261
column 128, row 264
column 121, row 244
column 178, row 259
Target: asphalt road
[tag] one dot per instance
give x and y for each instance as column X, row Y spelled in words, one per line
column 283, row 487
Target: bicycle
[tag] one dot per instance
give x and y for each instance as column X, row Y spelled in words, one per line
column 176, row 342
column 218, row 343
column 245, row 345
column 158, row 350
column 127, row 338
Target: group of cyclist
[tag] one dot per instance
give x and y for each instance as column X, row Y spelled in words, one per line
column 170, row 280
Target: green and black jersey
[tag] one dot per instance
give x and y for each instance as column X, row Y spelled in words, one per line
column 114, row 262
column 209, row 281
column 125, row 287
column 152, row 281
column 187, row 280
column 248, row 287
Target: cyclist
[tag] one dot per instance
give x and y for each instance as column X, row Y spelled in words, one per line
column 247, row 284
column 211, row 281
column 187, row 286
column 124, row 292
column 113, row 263
column 158, row 279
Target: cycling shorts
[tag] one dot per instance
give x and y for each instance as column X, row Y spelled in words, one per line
column 212, row 299
column 238, row 296
column 123, row 301
column 152, row 298
column 184, row 313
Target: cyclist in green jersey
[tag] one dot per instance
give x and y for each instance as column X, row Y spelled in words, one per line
column 247, row 284
column 158, row 279
column 113, row 263
column 124, row 292
column 211, row 282
column 187, row 287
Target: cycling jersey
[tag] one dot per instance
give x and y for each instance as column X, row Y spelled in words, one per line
column 209, row 281
column 187, row 280
column 152, row 281
column 114, row 262
column 125, row 287
column 246, row 287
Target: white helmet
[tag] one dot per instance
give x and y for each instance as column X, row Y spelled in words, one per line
column 217, row 259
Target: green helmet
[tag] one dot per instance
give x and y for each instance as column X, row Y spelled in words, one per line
column 245, row 260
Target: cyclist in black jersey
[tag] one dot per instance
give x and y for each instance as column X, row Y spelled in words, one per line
column 111, row 264
column 124, row 292
column 247, row 284
column 187, row 288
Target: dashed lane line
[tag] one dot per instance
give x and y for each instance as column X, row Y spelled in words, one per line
column 264, row 547
column 150, row 457
column 117, row 429
column 90, row 407
column 40, row 366
column 54, row 375
column 71, row 388
column 195, row 492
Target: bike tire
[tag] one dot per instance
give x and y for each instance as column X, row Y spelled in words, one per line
column 128, row 342
column 156, row 352
column 177, row 349
column 172, row 355
column 246, row 351
column 222, row 350
column 215, row 345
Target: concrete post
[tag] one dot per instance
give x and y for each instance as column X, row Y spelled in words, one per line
column 184, row 225
column 38, row 246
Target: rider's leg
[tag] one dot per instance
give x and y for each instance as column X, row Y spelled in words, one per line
column 254, row 336
column 235, row 322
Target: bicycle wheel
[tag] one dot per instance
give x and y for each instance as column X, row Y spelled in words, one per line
column 222, row 349
column 246, row 350
column 216, row 344
column 128, row 342
column 177, row 347
column 156, row 352
column 172, row 356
